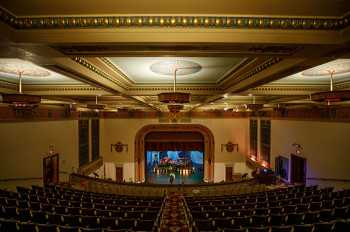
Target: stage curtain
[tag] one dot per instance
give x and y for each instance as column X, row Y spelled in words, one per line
column 174, row 146
column 174, row 141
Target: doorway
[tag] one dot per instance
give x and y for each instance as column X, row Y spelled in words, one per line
column 298, row 169
column 228, row 174
column 119, row 174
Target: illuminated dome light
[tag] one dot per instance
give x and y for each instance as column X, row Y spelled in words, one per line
column 168, row 68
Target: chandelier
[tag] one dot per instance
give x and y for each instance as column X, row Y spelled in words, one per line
column 19, row 101
column 95, row 106
column 331, row 95
column 175, row 100
column 254, row 106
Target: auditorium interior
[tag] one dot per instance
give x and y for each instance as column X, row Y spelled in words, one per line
column 175, row 116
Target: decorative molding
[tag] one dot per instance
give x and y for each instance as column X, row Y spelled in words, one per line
column 115, row 69
column 96, row 70
column 119, row 147
column 178, row 49
column 169, row 88
column 257, row 69
column 230, row 147
column 190, row 21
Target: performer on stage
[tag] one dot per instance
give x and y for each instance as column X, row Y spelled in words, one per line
column 171, row 177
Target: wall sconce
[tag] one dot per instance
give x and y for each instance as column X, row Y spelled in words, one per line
column 119, row 147
column 230, row 147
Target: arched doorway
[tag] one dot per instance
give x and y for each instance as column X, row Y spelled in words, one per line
column 208, row 146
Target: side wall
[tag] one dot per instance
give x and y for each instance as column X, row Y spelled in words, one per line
column 124, row 130
column 23, row 146
column 326, row 146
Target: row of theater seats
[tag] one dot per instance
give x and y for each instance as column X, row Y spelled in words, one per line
column 296, row 208
column 59, row 209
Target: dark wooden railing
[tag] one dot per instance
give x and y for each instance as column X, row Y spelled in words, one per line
column 208, row 189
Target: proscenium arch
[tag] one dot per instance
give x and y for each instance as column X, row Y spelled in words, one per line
column 209, row 147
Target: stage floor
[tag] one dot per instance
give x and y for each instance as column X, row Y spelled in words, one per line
column 195, row 178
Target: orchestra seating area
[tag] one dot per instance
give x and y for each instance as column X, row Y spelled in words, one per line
column 52, row 209
column 297, row 209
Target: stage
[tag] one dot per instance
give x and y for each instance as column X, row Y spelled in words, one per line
column 174, row 167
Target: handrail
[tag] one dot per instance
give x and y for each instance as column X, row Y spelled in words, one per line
column 91, row 167
column 162, row 185
column 328, row 179
column 108, row 186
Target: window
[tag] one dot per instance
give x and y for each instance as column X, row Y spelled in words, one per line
column 265, row 140
column 83, row 142
column 253, row 128
column 95, row 139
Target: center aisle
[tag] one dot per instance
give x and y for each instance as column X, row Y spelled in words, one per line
column 174, row 215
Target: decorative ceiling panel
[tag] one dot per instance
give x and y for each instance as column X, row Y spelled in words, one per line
column 160, row 70
column 32, row 74
column 319, row 75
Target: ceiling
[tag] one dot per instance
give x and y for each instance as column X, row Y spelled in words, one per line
column 227, row 54
column 143, row 70
column 32, row 74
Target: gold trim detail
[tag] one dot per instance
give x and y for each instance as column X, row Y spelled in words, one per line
column 229, row 22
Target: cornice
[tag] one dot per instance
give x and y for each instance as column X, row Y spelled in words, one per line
column 257, row 69
column 190, row 21
column 98, row 71
column 62, row 88
column 115, row 69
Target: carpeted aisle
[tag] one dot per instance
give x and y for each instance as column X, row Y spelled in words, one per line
column 174, row 216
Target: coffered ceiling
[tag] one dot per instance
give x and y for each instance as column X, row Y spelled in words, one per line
column 160, row 70
column 227, row 53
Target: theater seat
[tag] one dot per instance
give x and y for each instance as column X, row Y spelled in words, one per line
column 90, row 230
column 258, row 229
column 27, row 227
column 46, row 228
column 8, row 225
column 281, row 228
column 303, row 228
column 68, row 229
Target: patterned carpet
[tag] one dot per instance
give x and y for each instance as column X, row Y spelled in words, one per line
column 174, row 216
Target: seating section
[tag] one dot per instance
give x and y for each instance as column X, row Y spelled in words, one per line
column 52, row 209
column 298, row 209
